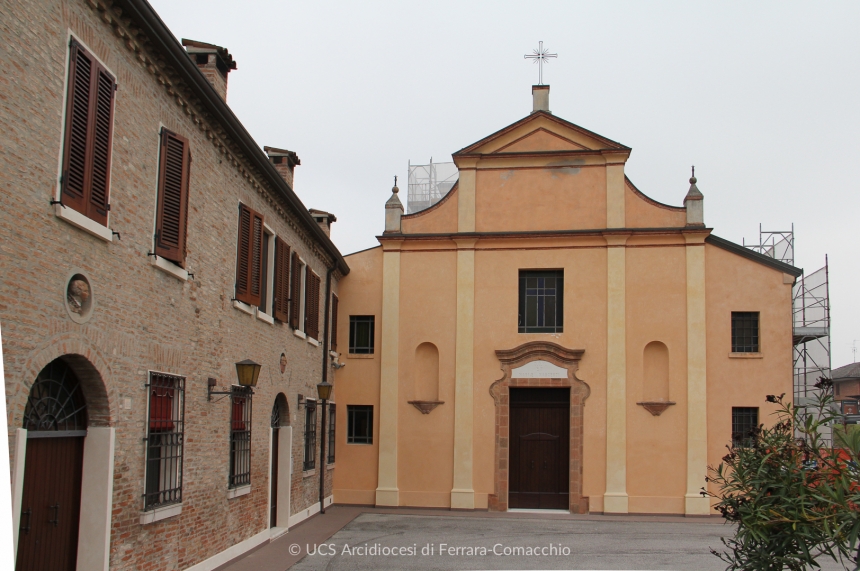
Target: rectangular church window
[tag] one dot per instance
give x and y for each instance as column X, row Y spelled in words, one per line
column 745, row 338
column 164, row 440
column 541, row 301
column 744, row 422
column 359, row 424
column 361, row 334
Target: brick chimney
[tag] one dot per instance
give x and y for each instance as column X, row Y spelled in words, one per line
column 324, row 219
column 214, row 61
column 285, row 162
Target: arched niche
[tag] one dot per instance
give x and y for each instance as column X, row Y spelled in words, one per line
column 655, row 372
column 426, row 375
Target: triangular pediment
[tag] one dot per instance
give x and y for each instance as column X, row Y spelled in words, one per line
column 540, row 132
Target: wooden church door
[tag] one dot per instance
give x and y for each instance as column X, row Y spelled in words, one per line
column 55, row 419
column 539, row 475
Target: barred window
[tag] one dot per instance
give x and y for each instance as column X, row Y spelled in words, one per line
column 310, row 435
column 240, row 437
column 541, row 301
column 164, row 440
column 361, row 334
column 332, row 414
column 359, row 424
column 744, row 423
column 745, row 332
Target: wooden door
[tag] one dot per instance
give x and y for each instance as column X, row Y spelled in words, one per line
column 539, row 448
column 273, row 497
column 51, row 504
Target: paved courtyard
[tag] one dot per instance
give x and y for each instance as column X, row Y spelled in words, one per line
column 362, row 538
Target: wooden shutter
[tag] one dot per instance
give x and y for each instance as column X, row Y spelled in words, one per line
column 172, row 211
column 87, row 144
column 161, row 408
column 334, row 323
column 281, row 303
column 249, row 256
column 295, row 291
column 312, row 305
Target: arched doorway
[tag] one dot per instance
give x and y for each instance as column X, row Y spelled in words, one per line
column 281, row 455
column 55, row 418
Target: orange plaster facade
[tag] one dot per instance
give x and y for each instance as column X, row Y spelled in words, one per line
column 648, row 296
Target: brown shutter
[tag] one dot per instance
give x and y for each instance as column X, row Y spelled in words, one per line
column 312, row 305
column 172, row 210
column 295, row 291
column 282, row 281
column 87, row 143
column 249, row 256
column 333, row 322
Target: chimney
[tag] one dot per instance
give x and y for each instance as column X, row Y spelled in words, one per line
column 324, row 219
column 214, row 61
column 393, row 211
column 285, row 163
column 694, row 202
column 540, row 98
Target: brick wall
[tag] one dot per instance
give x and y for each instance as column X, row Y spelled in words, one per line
column 144, row 319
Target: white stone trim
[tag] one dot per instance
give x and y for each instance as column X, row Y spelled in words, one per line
column 313, row 341
column 306, row 513
column 168, row 267
column 159, row 514
column 243, row 307
column 240, row 491
column 18, row 481
column 276, row 532
column 265, row 317
column 231, row 552
column 96, row 499
column 539, row 370
column 300, row 334
column 746, row 356
column 86, row 224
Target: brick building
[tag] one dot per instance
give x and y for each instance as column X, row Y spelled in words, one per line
column 148, row 246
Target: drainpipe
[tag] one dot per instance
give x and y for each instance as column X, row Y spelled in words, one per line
column 323, row 470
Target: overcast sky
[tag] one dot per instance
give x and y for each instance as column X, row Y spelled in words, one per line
column 762, row 97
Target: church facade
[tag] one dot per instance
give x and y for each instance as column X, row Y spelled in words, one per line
column 548, row 337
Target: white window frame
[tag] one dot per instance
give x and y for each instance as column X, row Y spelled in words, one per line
column 267, row 313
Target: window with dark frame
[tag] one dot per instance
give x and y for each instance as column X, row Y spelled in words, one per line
column 240, row 437
column 745, row 337
column 359, row 424
column 361, row 334
column 541, row 301
column 332, row 415
column 744, row 423
column 87, row 140
column 164, row 440
column 249, row 256
column 171, row 217
column 310, row 435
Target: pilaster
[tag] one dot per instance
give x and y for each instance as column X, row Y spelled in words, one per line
column 387, row 492
column 615, row 215
column 466, row 189
column 615, row 497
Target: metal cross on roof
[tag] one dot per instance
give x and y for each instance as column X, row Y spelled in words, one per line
column 539, row 56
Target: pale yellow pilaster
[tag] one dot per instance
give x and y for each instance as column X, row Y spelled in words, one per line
column 615, row 497
column 387, row 493
column 615, row 215
column 697, row 387
column 463, row 494
column 466, row 195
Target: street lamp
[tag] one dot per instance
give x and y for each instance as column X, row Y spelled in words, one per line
column 323, row 392
column 247, row 372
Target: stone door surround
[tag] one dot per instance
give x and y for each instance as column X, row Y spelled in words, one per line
column 510, row 359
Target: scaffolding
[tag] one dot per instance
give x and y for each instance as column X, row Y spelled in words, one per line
column 810, row 315
column 429, row 183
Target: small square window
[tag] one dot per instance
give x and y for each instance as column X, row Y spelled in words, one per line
column 359, row 424
column 744, row 423
column 361, row 334
column 745, row 338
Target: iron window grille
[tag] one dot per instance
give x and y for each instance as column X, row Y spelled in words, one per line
column 744, row 425
column 55, row 403
column 359, row 424
column 310, row 435
column 332, row 410
column 240, row 437
column 165, row 433
column 361, row 334
column 745, row 338
column 541, row 301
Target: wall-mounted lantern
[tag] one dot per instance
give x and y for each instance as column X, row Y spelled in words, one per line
column 247, row 372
